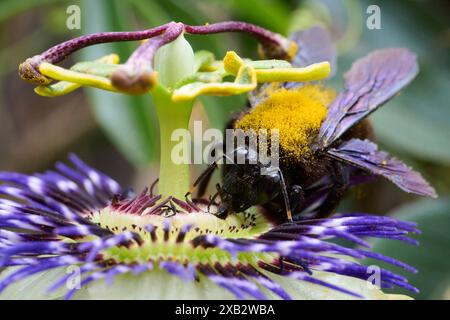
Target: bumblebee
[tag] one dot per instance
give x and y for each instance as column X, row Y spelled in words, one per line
column 326, row 142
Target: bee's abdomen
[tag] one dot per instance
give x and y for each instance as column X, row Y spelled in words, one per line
column 362, row 130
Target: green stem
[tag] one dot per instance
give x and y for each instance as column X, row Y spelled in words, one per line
column 174, row 178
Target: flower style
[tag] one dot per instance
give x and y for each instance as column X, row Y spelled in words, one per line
column 163, row 245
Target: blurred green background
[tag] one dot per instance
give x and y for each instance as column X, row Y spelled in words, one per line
column 119, row 134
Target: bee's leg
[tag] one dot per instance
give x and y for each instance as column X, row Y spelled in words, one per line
column 223, row 211
column 203, row 184
column 340, row 178
column 203, row 180
column 297, row 197
column 206, row 175
column 284, row 193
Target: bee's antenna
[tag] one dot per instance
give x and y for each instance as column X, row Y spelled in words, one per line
column 285, row 196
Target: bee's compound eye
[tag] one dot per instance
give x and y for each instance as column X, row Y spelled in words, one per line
column 222, row 213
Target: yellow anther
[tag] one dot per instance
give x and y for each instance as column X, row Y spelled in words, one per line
column 58, row 73
column 245, row 81
column 316, row 71
column 64, row 87
column 232, row 62
column 57, row 89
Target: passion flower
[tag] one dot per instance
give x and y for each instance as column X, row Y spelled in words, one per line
column 78, row 217
column 76, row 233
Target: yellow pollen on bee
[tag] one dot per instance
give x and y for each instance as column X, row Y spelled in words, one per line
column 296, row 113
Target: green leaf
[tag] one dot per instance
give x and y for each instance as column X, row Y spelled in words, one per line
column 405, row 127
column 129, row 121
column 431, row 257
column 151, row 11
column 268, row 13
column 9, row 9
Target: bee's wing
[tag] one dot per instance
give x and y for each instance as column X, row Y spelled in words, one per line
column 314, row 45
column 370, row 82
column 365, row 155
